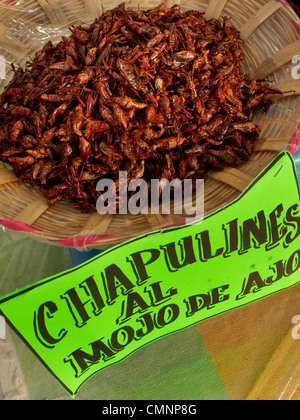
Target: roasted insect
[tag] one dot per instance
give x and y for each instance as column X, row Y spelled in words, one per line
column 158, row 93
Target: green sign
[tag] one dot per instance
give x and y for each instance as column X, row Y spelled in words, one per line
column 92, row 316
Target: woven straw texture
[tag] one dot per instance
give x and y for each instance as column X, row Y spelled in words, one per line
column 270, row 30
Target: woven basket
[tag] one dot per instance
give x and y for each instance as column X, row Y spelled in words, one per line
column 271, row 33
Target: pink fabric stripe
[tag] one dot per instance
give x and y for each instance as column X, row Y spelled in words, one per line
column 75, row 241
column 79, row 241
column 295, row 142
column 19, row 226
